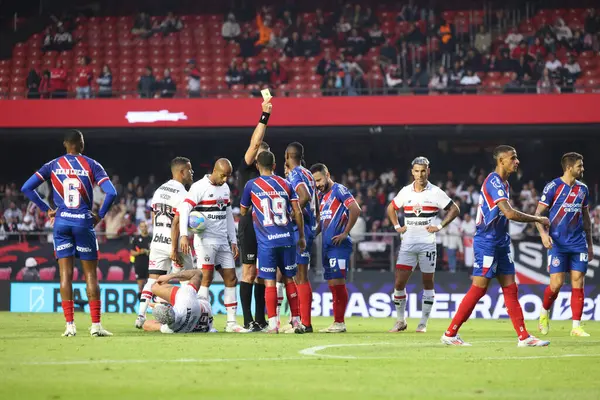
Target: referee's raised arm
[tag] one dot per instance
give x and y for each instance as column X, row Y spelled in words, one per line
column 259, row 133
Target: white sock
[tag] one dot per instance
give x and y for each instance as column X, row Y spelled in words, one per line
column 576, row 324
column 400, row 303
column 544, row 312
column 280, row 290
column 203, row 292
column 230, row 300
column 427, row 303
column 146, row 297
column 273, row 323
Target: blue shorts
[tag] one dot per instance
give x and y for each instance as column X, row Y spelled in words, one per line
column 304, row 257
column 269, row 259
column 565, row 261
column 78, row 241
column 336, row 261
column 491, row 261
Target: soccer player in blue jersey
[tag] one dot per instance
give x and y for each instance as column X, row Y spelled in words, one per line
column 569, row 238
column 274, row 203
column 303, row 183
column 492, row 251
column 73, row 177
column 338, row 212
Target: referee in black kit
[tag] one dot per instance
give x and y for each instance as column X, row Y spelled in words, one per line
column 139, row 253
column 246, row 236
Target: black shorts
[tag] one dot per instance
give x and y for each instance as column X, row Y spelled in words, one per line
column 141, row 271
column 247, row 244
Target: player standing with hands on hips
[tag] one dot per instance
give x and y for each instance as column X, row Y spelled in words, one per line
column 492, row 251
column 421, row 202
column 73, row 177
column 568, row 240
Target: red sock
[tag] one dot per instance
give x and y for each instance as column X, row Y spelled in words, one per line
column 67, row 307
column 515, row 312
column 271, row 301
column 577, row 300
column 339, row 307
column 292, row 296
column 305, row 296
column 465, row 309
column 95, row 306
column 549, row 297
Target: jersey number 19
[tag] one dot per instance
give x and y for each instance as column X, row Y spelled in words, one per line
column 277, row 207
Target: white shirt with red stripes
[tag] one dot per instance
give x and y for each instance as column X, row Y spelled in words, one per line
column 215, row 203
column 419, row 210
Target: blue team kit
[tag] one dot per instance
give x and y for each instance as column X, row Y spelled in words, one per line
column 566, row 204
column 73, row 178
column 297, row 177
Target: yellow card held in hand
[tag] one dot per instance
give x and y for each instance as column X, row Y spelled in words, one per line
column 266, row 94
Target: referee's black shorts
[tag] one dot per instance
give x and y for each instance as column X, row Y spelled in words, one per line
column 247, row 244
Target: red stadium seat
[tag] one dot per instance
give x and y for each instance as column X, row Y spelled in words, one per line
column 47, row 274
column 115, row 273
column 5, row 273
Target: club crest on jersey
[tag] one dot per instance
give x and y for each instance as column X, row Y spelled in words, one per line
column 206, row 258
column 220, row 203
column 417, row 209
column 581, row 194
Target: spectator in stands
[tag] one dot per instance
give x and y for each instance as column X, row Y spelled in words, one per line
column 48, row 41
column 294, row 47
column 473, row 61
column 528, row 84
column 13, row 213
column 312, row 45
column 549, row 42
column 483, row 40
column 520, row 50
column 562, row 32
column 439, row 81
column 514, row 86
column 409, row 12
column 415, row 36
column 45, row 85
column 546, row 84
column 264, row 30
column 142, row 26
column 453, row 243
column 355, row 44
column 368, row 18
column 393, row 77
column 342, row 28
column 470, row 82
column 491, row 63
column 193, row 78
column 357, row 84
column 278, row 74
column 33, row 84
column 538, row 67
column 505, row 63
column 58, row 81
column 167, row 86
column 571, row 73
column 104, row 82
column 523, row 67
column 455, row 76
column 388, row 52
column 147, row 84
column 231, row 28
column 376, row 36
column 537, row 47
column 84, row 78
column 247, row 46
column 262, row 75
column 326, row 64
column 576, row 43
column 324, row 29
column 328, row 87
column 233, row 75
column 63, row 40
column 513, row 38
column 446, row 35
column 31, row 273
column 355, row 18
column 151, row 187
column 171, row 24
column 247, row 76
column 592, row 22
column 419, row 81
column 553, row 65
column 115, row 220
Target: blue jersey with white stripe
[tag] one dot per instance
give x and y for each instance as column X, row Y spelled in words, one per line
column 73, row 178
column 491, row 224
column 271, row 197
column 302, row 176
column 334, row 214
column 566, row 205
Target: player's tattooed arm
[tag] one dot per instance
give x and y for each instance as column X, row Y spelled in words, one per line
column 544, row 235
column 518, row 216
column 587, row 228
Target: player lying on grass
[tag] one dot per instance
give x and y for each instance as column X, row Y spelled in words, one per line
column 185, row 312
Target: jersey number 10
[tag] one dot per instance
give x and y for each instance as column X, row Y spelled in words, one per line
column 277, row 206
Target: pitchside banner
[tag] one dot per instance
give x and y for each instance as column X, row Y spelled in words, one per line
column 367, row 299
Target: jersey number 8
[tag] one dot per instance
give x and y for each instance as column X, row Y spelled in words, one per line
column 277, row 206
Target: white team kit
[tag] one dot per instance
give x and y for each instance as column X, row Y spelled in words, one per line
column 212, row 246
column 419, row 246
column 192, row 314
column 165, row 201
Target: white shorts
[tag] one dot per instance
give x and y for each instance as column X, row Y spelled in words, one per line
column 160, row 262
column 411, row 255
column 210, row 256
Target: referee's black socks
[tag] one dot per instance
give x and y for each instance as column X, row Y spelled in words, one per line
column 246, row 300
column 259, row 303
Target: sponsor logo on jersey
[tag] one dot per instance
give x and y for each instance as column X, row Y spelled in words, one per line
column 160, row 238
column 326, row 214
column 290, row 267
column 411, row 221
column 279, row 236
column 71, row 171
column 65, row 214
column 548, row 187
column 169, row 189
column 64, row 246
column 216, row 216
column 84, row 249
column 496, row 182
column 267, row 269
column 581, row 194
column 250, row 257
column 571, row 208
column 572, row 194
column 165, row 196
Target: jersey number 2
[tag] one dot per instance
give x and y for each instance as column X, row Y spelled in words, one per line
column 71, row 192
column 277, row 206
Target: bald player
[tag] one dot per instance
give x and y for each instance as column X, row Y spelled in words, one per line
column 216, row 247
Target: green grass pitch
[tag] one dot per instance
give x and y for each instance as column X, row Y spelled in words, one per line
column 364, row 363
